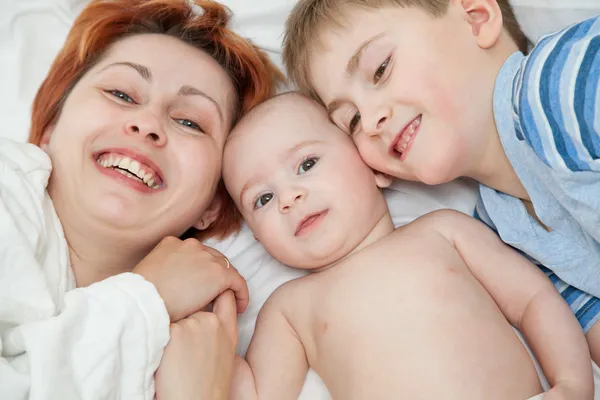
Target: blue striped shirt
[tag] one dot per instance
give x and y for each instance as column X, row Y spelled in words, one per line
column 547, row 110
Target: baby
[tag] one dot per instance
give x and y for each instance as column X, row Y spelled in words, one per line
column 423, row 311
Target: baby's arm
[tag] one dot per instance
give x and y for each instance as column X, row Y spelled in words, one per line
column 529, row 301
column 276, row 364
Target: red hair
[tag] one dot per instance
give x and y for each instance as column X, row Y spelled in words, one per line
column 102, row 23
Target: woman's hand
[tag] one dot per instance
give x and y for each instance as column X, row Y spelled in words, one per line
column 189, row 275
column 198, row 361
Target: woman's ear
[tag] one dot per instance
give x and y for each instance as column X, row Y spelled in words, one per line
column 485, row 18
column 210, row 214
column 383, row 180
column 45, row 141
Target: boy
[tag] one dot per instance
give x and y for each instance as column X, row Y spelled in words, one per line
column 433, row 90
column 386, row 312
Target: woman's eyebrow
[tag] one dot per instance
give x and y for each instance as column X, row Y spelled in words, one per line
column 142, row 70
column 187, row 90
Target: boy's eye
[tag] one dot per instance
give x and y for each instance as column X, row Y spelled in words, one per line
column 121, row 95
column 189, row 124
column 354, row 123
column 263, row 200
column 307, row 165
column 381, row 70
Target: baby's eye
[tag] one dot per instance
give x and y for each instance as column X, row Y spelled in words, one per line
column 121, row 95
column 354, row 123
column 307, row 165
column 381, row 70
column 189, row 124
column 263, row 200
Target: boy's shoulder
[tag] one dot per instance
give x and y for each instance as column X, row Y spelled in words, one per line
column 554, row 98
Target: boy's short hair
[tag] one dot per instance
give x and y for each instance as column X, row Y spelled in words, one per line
column 309, row 16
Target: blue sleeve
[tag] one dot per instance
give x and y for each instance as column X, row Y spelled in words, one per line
column 557, row 98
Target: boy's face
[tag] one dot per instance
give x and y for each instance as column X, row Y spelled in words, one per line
column 413, row 91
column 300, row 183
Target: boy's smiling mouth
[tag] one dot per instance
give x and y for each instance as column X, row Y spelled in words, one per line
column 139, row 170
column 403, row 140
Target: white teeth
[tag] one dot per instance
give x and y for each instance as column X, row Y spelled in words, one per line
column 410, row 131
column 134, row 167
column 128, row 174
column 128, row 167
column 124, row 164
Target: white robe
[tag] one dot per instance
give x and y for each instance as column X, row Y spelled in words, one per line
column 57, row 341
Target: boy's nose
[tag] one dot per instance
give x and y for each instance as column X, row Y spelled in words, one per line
column 375, row 122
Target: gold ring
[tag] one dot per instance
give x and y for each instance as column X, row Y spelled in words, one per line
column 227, row 261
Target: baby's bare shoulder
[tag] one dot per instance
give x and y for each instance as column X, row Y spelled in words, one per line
column 441, row 221
column 290, row 294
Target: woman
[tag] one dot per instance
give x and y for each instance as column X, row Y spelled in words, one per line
column 132, row 118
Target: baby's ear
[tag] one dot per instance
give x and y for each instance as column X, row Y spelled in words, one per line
column 383, row 180
column 45, row 141
column 210, row 214
column 485, row 18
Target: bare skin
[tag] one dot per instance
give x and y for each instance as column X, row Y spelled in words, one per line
column 418, row 322
column 422, row 312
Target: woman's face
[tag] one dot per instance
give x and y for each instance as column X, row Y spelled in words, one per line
column 137, row 148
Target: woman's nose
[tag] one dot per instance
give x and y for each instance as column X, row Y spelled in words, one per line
column 148, row 128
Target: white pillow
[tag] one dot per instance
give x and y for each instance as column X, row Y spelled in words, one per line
column 540, row 17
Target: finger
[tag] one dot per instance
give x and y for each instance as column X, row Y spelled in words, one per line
column 237, row 283
column 225, row 310
column 213, row 252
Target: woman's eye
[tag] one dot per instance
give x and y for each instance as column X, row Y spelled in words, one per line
column 189, row 124
column 263, row 200
column 307, row 165
column 354, row 123
column 121, row 95
column 381, row 70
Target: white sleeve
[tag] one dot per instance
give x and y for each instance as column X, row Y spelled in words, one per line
column 100, row 342
column 105, row 344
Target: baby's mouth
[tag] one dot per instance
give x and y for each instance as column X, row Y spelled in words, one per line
column 401, row 142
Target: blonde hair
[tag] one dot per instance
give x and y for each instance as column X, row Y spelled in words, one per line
column 309, row 16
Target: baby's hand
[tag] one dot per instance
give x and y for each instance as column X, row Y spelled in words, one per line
column 189, row 275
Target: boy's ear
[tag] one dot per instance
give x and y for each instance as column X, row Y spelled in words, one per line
column 485, row 18
column 46, row 138
column 383, row 180
column 210, row 214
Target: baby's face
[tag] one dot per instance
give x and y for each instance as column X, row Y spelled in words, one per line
column 414, row 91
column 300, row 183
